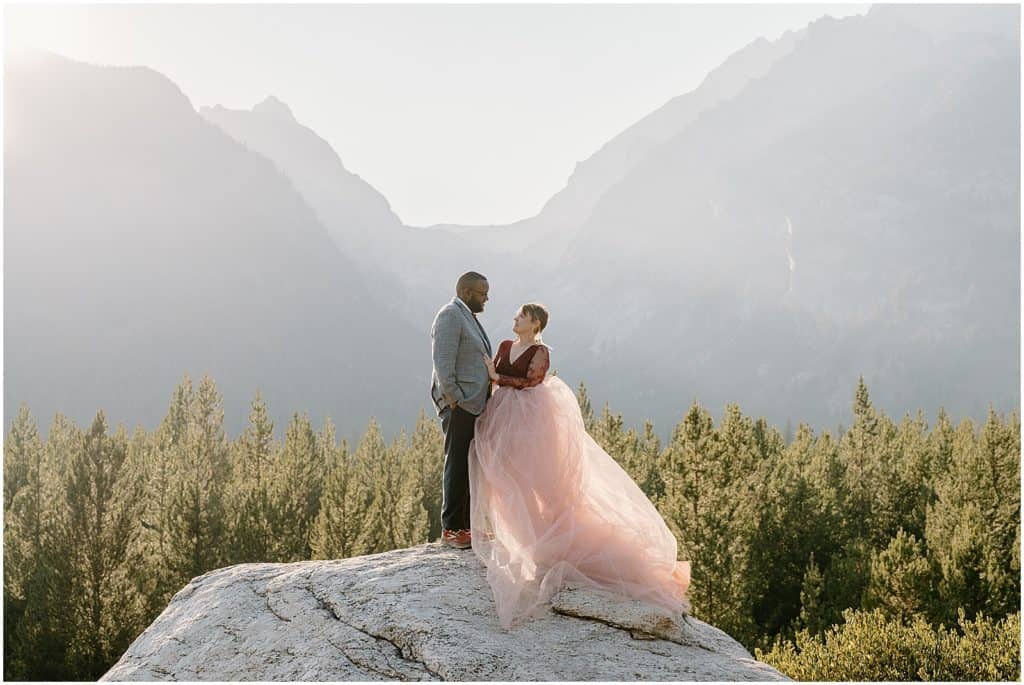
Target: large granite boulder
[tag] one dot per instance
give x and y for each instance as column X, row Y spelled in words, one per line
column 423, row 613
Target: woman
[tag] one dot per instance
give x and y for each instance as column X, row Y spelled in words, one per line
column 548, row 505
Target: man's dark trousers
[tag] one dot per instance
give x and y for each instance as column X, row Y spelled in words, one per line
column 458, row 426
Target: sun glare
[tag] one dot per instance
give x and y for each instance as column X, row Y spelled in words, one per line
column 49, row 27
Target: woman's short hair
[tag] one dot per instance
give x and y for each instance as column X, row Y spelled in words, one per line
column 537, row 312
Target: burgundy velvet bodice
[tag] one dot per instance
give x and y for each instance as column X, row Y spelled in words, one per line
column 528, row 369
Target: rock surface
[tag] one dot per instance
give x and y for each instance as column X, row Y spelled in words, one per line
column 423, row 613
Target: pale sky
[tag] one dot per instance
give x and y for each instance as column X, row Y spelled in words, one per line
column 468, row 113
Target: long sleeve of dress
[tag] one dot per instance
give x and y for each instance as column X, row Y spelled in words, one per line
column 535, row 373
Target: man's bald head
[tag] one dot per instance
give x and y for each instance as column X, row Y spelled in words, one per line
column 472, row 289
column 468, row 280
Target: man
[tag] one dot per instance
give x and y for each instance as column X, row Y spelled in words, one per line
column 460, row 387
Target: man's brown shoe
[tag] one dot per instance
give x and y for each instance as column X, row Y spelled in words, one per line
column 459, row 539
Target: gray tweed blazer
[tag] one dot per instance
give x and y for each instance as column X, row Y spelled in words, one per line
column 458, row 345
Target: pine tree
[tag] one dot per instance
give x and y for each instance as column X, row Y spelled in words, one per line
column 739, row 488
column 940, row 449
column 296, row 489
column 870, row 499
column 339, row 521
column 427, row 452
column 395, row 516
column 707, row 505
column 103, row 494
column 412, row 525
column 685, row 476
column 910, row 489
column 609, row 432
column 767, row 440
column 23, row 475
column 647, row 450
column 330, row 455
column 36, row 634
column 638, row 457
column 251, row 534
column 141, row 449
column 370, row 493
column 812, row 611
column 795, row 521
column 586, row 410
column 196, row 536
column 894, row 498
column 128, row 605
column 827, row 474
column 1000, row 473
column 973, row 528
column 860, row 451
column 21, row 448
column 327, row 446
column 900, row 583
column 846, row 578
column 163, row 462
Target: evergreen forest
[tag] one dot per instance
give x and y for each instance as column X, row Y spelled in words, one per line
column 889, row 550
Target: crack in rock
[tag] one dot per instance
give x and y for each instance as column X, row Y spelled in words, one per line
column 251, row 582
column 390, row 674
column 345, row 654
column 634, row 633
column 400, row 650
column 159, row 670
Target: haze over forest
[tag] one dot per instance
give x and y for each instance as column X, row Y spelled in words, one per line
column 841, row 202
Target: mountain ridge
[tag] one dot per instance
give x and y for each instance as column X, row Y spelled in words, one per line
column 174, row 250
column 786, row 241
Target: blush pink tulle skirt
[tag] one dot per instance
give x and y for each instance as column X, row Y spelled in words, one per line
column 548, row 506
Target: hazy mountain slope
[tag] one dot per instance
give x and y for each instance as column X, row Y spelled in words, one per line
column 416, row 268
column 852, row 212
column 592, row 178
column 854, row 209
column 142, row 243
column 546, row 236
column 942, row 21
column 354, row 212
column 517, row 258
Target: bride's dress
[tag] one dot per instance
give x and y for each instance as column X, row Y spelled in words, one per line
column 548, row 505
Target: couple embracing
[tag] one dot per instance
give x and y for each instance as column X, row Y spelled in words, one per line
column 525, row 485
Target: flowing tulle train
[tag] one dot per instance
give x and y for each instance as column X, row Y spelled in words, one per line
column 548, row 505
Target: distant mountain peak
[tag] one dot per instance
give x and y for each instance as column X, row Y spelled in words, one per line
column 275, row 108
